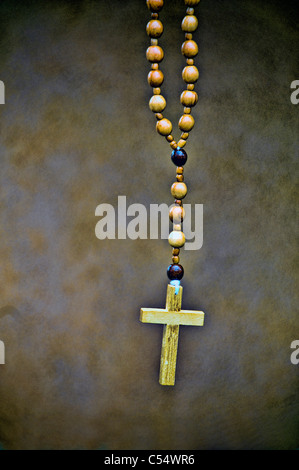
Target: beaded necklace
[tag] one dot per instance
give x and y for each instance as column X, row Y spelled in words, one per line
column 172, row 316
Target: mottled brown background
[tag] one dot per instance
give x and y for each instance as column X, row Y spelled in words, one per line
column 81, row 370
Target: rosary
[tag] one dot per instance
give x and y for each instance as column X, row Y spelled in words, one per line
column 172, row 316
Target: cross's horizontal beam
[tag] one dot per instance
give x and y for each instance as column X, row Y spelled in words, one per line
column 165, row 317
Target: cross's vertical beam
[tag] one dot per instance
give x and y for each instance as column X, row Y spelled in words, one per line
column 170, row 338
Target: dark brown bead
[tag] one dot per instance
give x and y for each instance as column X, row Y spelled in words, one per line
column 179, row 157
column 175, row 272
column 175, row 251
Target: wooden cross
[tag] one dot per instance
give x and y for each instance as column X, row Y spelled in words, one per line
column 171, row 317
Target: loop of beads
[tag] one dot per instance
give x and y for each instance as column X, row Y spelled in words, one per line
column 157, row 104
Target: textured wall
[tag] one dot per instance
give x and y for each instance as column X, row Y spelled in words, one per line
column 81, row 370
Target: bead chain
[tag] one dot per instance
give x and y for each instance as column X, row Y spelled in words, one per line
column 157, row 104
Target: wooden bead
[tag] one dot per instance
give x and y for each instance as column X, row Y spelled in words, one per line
column 155, row 42
column 188, row 36
column 190, row 62
column 175, row 251
column 189, row 98
column 173, row 144
column 155, row 78
column 175, row 272
column 185, row 135
column 178, row 190
column 169, row 138
column 154, row 28
column 190, row 87
column 180, row 178
column 155, row 5
column 189, row 24
column 176, row 239
column 180, row 169
column 179, row 157
column 181, row 143
column 156, row 91
column 190, row 11
column 190, row 74
column 175, row 259
column 164, row 127
column 187, row 110
column 186, row 122
column 191, row 3
column 177, row 214
column 159, row 116
column 154, row 66
column 178, row 202
column 157, row 103
column 189, row 48
column 154, row 54
column 177, row 227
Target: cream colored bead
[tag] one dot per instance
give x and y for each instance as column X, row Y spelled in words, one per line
column 177, row 214
column 186, row 122
column 157, row 103
column 176, row 239
column 190, row 74
column 164, row 127
column 178, row 190
column 177, row 227
column 189, row 24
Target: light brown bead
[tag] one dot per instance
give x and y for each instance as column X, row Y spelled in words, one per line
column 169, row 138
column 188, row 36
column 180, row 178
column 190, row 11
column 190, row 62
column 189, row 24
column 178, row 190
column 180, row 170
column 176, row 239
column 157, row 103
column 190, row 87
column 181, row 143
column 155, row 5
column 190, row 74
column 186, row 122
column 189, row 48
column 189, row 98
column 178, row 202
column 155, row 66
column 175, row 252
column 173, row 144
column 191, row 3
column 159, row 116
column 177, row 214
column 185, row 135
column 177, row 227
column 154, row 54
column 164, row 127
column 154, row 28
column 155, row 78
column 175, row 259
column 187, row 110
column 156, row 91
